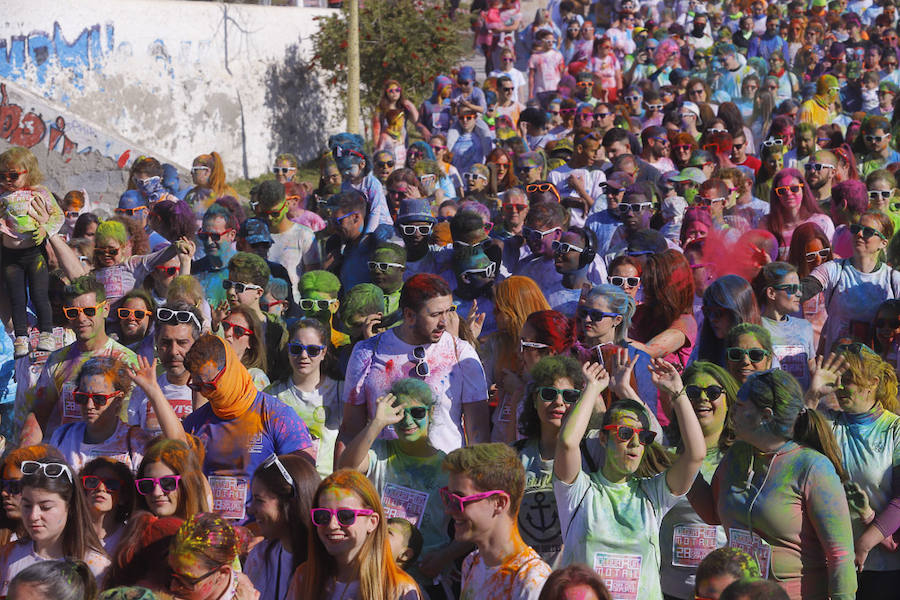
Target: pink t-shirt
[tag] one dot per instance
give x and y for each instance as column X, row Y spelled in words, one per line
column 547, row 68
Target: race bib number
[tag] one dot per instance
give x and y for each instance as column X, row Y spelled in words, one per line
column 182, row 407
column 753, row 545
column 404, row 502
column 229, row 496
column 112, row 281
column 691, row 544
column 620, row 572
column 506, row 411
column 71, row 412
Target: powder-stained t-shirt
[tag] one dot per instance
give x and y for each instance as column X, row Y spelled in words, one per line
column 234, row 448
column 614, row 529
column 125, row 445
column 270, row 568
column 455, row 377
column 520, row 578
column 19, row 555
column 120, row 279
column 297, row 251
column 792, row 340
column 140, row 410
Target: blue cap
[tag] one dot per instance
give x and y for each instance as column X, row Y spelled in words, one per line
column 467, row 73
column 131, row 199
column 415, row 210
column 255, row 231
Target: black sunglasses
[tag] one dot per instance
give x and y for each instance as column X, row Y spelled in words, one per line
column 712, row 392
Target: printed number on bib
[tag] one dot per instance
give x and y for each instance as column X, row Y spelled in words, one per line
column 620, row 572
column 691, row 544
column 229, row 496
column 753, row 545
column 404, row 502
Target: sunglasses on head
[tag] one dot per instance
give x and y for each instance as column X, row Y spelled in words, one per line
column 754, row 354
column 98, row 399
column 853, row 348
column 312, row 350
column 239, row 331
column 167, row 483
column 625, row 434
column 132, row 313
column 550, row 394
column 212, row 235
column 866, row 231
column 823, row 253
column 130, row 211
column 49, row 469
column 239, row 286
column 695, row 391
column 92, row 482
column 72, row 312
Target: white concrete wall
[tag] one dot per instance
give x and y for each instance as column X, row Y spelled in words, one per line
column 175, row 78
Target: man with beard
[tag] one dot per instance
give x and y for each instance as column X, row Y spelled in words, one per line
column 656, row 148
column 421, row 347
column 820, row 176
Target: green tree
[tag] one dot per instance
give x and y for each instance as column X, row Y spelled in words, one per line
column 406, row 40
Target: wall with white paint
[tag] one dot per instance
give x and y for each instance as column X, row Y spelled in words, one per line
column 175, row 79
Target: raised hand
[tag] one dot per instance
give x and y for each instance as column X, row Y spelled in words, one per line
column 665, row 377
column 621, row 367
column 595, row 375
column 826, row 374
column 387, row 411
column 475, row 319
column 144, row 374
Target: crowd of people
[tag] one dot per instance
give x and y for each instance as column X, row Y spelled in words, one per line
column 619, row 321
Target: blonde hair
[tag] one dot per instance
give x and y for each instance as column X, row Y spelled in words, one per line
column 186, row 289
column 866, row 367
column 19, row 157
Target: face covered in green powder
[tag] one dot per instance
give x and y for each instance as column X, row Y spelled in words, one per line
column 385, row 271
column 474, row 271
column 416, row 419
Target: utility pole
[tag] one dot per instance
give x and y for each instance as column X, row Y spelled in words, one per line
column 353, row 68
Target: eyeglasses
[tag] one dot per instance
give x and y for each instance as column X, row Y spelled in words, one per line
column 314, row 304
column 635, row 207
column 485, row 273
column 773, row 142
column 382, row 267
column 707, row 202
column 72, row 214
column 13, row 487
column 823, row 253
column 132, row 313
column 50, row 469
column 199, row 168
column 791, row 289
column 312, row 350
column 282, row 170
column 164, row 270
column 537, row 235
column 422, row 368
column 754, row 354
column 550, row 394
column 239, row 331
column 455, row 503
column 212, row 235
column 99, row 400
column 92, row 482
column 382, row 164
column 515, row 207
column 867, row 232
column 525, row 344
column 564, row 247
column 875, row 138
column 107, row 251
column 183, row 581
column 880, row 194
column 345, row 516
column 273, row 460
column 817, row 166
column 712, row 392
column 625, row 281
column 414, row 229
column 593, row 315
column 164, row 315
column 167, row 483
column 784, row 190
column 72, row 312
column 239, row 286
column 130, row 211
column 206, row 385
column 11, row 175
column 625, row 434
column 851, row 347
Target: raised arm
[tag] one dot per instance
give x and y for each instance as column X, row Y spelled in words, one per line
column 680, row 476
column 144, row 376
column 68, row 260
column 567, row 462
column 356, row 454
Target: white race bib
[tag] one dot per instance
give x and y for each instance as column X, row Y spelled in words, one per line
column 620, row 572
column 404, row 502
column 753, row 545
column 691, row 544
column 229, row 496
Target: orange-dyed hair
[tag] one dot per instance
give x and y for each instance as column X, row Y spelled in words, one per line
column 216, row 172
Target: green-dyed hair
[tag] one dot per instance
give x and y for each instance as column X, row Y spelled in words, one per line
column 805, row 127
column 881, row 175
column 86, row 284
column 111, row 230
column 287, row 156
column 758, row 331
column 771, row 274
column 248, row 267
column 362, row 299
column 778, row 391
column 731, row 386
column 490, row 467
column 726, row 561
column 545, row 373
column 414, row 388
column 397, row 252
column 323, row 282
column 427, row 167
column 656, row 458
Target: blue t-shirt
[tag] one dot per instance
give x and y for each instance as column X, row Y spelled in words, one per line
column 237, row 446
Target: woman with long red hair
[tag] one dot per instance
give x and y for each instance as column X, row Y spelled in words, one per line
column 348, row 554
column 791, row 204
column 389, row 124
column 502, row 178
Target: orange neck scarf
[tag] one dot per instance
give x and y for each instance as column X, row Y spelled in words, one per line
column 235, row 391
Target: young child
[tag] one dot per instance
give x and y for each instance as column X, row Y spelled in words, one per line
column 720, row 568
column 405, row 540
column 24, row 256
column 545, row 67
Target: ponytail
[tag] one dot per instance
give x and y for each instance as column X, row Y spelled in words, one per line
column 812, row 430
column 886, row 392
column 217, row 175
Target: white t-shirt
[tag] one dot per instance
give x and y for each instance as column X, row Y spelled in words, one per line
column 140, row 411
column 792, row 340
column 321, row 410
column 520, row 578
column 18, row 556
column 270, row 576
column 614, row 529
column 517, row 78
column 456, row 377
column 121, row 446
column 592, row 179
column 297, row 251
column 853, row 296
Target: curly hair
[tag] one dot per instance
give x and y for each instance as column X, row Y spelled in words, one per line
column 545, row 374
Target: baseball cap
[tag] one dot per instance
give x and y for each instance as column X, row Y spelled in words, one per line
column 619, row 180
column 255, row 231
column 690, row 174
column 466, row 73
column 415, row 210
